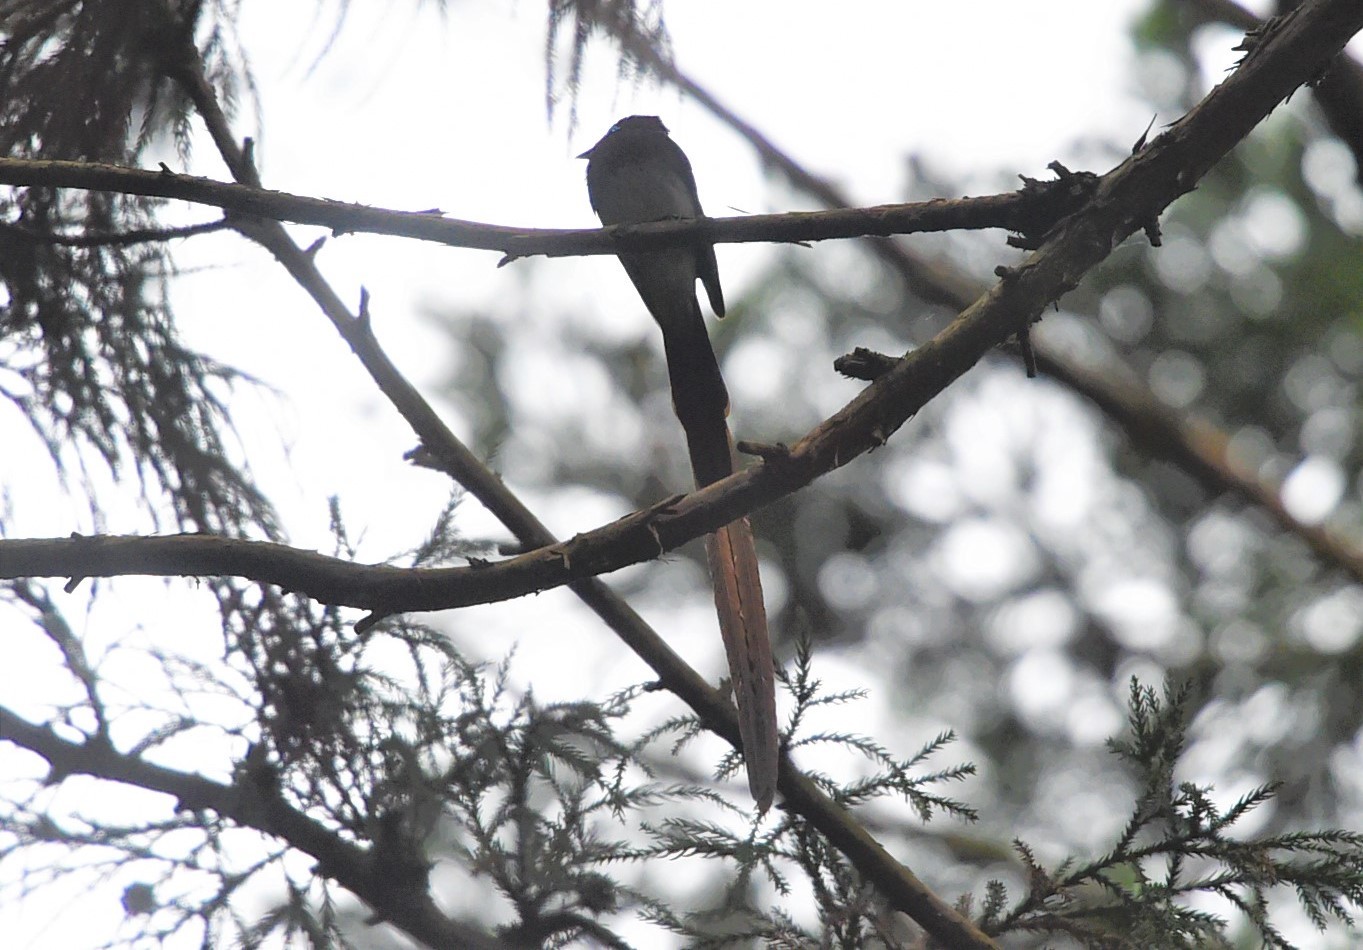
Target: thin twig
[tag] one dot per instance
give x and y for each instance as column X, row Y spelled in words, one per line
column 114, row 238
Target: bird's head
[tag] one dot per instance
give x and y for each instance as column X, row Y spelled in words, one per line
column 629, row 130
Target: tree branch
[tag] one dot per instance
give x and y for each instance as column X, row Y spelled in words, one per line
column 114, row 238
column 1029, row 210
column 252, row 801
column 1201, row 450
column 1339, row 93
column 439, row 445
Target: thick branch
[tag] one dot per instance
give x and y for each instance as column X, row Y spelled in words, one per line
column 1032, row 210
column 253, row 801
column 1196, row 446
column 1339, row 92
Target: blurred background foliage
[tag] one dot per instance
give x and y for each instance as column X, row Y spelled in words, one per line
column 1010, row 559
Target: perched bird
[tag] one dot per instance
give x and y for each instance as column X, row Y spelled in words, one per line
column 636, row 173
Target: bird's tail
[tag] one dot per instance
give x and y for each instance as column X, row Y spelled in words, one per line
column 743, row 624
column 701, row 402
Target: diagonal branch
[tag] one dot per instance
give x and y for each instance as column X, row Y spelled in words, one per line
column 1200, row 449
column 1195, row 445
column 252, row 801
column 1339, row 93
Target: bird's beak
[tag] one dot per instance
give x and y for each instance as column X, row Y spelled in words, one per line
column 588, row 154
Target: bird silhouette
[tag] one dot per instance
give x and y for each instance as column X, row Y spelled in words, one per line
column 636, row 174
